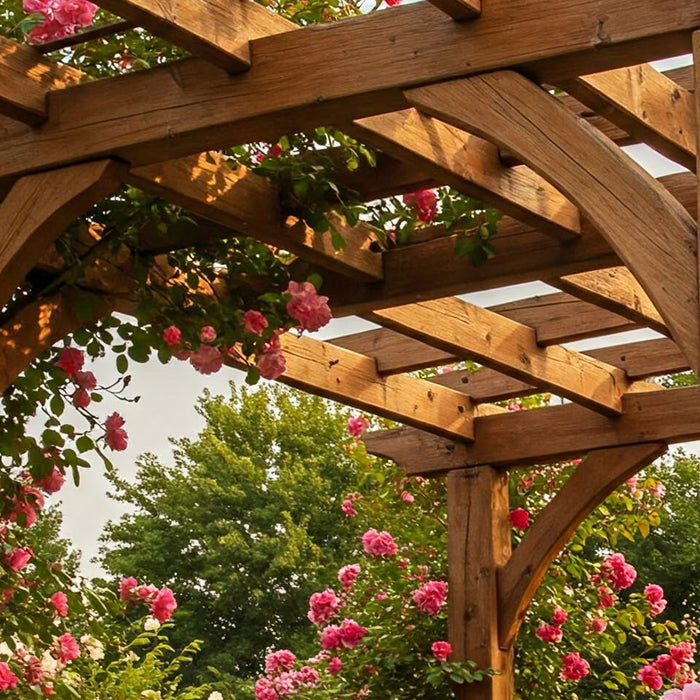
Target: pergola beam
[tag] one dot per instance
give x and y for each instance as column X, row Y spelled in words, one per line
column 299, row 78
column 546, row 434
column 459, row 9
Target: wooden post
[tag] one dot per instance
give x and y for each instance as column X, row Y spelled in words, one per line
column 478, row 544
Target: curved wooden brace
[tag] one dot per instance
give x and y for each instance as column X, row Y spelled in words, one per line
column 647, row 228
column 593, row 481
column 39, row 325
column 39, row 207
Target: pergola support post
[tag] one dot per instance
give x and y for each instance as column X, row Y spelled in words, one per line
column 479, row 543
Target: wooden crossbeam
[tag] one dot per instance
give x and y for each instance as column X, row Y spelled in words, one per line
column 299, row 78
column 472, row 166
column 617, row 290
column 39, row 207
column 218, row 31
column 546, row 434
column 696, row 76
column 510, row 347
column 646, row 104
column 611, row 190
column 459, row 9
column 555, row 318
column 249, row 204
column 600, row 473
column 25, row 78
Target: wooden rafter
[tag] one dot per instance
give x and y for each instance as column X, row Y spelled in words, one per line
column 471, row 332
column 39, row 207
column 547, row 434
column 459, row 9
column 646, row 104
column 470, row 165
column 215, row 30
column 600, row 473
column 299, row 78
column 616, row 194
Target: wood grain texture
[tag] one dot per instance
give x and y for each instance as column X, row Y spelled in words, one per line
column 471, row 332
column 617, row 290
column 478, row 544
column 459, row 9
column 39, row 207
column 249, row 205
column 646, row 104
column 598, row 475
column 25, row 78
column 547, row 434
column 611, row 190
column 299, row 79
column 215, row 30
column 472, row 166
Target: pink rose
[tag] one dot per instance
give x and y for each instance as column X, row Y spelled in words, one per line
column 71, row 360
column 574, row 667
column 207, row 360
column 519, row 518
column 683, row 652
column 378, row 544
column 430, row 597
column 650, row 677
column 617, row 571
column 606, row 598
column 207, row 334
column 441, row 650
column 406, row 497
column 348, row 574
column 59, row 600
column 75, row 12
column 599, row 624
column 163, row 605
column 655, row 597
column 357, row 425
column 351, row 633
column 115, row 435
column 334, row 666
column 278, row 661
column 172, row 336
column 560, row 616
column 424, row 202
column 81, row 399
column 254, row 322
column 348, row 508
column 550, row 633
column 322, row 606
column 67, row 648
column 18, row 558
column 307, row 307
column 8, row 680
column 127, row 586
column 265, row 690
column 52, row 482
column 271, row 364
column 666, row 665
column 85, row 380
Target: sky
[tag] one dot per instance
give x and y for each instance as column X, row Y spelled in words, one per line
column 169, row 393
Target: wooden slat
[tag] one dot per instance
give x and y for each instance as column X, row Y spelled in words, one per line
column 218, row 31
column 478, row 544
column 617, row 290
column 25, row 78
column 555, row 318
column 646, row 104
column 647, row 227
column 547, row 434
column 510, row 347
column 249, row 204
column 341, row 375
column 39, row 207
column 470, row 165
column 459, row 9
column 88, row 34
column 594, row 480
column 300, row 79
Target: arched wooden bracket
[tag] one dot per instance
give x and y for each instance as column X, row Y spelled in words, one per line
column 38, row 209
column 598, row 475
column 645, row 226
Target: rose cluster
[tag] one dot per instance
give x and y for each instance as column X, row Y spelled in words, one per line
column 161, row 602
column 61, row 18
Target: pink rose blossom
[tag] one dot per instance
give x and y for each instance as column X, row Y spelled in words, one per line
column 550, row 633
column 25, row 506
column 182, row 354
column 254, row 322
column 519, row 518
column 322, row 606
column 307, row 307
column 334, row 666
column 172, row 336
column 666, row 665
column 163, row 605
column 430, row 597
column 606, row 598
column 52, row 482
column 650, row 677
column 207, row 360
column 348, row 574
column 85, row 380
column 617, row 571
column 75, row 12
column 18, row 558
column 49, row 30
column 659, row 491
column 406, row 497
column 351, row 633
column 330, row 637
column 348, row 508
column 265, row 690
column 278, row 661
column 560, row 616
column 127, row 586
column 71, row 360
column 67, row 648
column 8, row 680
column 424, row 202
column 147, row 592
column 378, row 544
column 655, row 597
column 441, row 650
column 599, row 624
column 207, row 334
column 271, row 364
column 59, row 600
column 81, row 399
column 683, row 652
column 690, row 691
column 574, row 667
column 357, row 425
column 115, row 435
column 632, row 484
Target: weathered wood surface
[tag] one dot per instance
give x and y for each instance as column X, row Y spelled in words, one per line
column 39, row 207
column 600, row 473
column 478, row 544
column 459, row 9
column 218, row 31
column 299, row 79
column 472, row 166
column 555, row 318
column 471, row 332
column 646, row 104
column 612, row 191
column 249, row 204
column 25, row 78
column 617, row 290
column 547, row 434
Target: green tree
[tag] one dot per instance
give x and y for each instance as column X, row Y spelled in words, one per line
column 244, row 525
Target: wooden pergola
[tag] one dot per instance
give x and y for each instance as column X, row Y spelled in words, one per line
column 451, row 93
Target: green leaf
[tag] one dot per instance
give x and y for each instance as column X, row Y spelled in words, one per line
column 122, row 364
